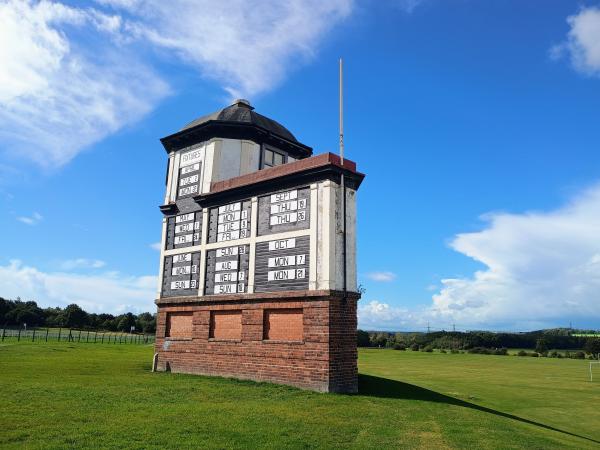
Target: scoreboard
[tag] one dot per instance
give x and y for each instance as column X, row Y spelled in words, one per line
column 261, row 241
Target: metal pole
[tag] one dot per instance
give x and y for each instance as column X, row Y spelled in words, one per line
column 59, row 331
column 341, row 111
column 19, row 336
column 33, row 337
column 343, row 182
column 3, row 331
column 47, row 331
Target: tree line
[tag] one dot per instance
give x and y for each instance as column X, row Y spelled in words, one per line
column 558, row 339
column 16, row 313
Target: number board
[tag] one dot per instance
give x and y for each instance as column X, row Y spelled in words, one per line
column 227, row 270
column 184, row 230
column 181, row 275
column 284, row 211
column 230, row 222
column 282, row 264
column 188, row 182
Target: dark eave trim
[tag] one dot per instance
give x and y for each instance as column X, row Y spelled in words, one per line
column 307, row 176
column 208, row 130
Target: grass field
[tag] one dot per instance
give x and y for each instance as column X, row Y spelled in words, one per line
column 61, row 395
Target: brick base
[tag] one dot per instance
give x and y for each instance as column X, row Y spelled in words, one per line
column 322, row 356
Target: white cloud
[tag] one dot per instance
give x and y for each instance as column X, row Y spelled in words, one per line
column 247, row 47
column 34, row 219
column 108, row 292
column 583, row 41
column 542, row 269
column 409, row 5
column 82, row 263
column 376, row 315
column 70, row 76
column 381, row 276
column 156, row 246
column 56, row 97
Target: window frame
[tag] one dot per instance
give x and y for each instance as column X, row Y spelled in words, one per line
column 274, row 151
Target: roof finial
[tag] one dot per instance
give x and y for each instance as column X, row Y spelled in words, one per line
column 243, row 103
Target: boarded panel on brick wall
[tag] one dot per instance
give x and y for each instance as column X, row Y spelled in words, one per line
column 284, row 325
column 226, row 325
column 179, row 325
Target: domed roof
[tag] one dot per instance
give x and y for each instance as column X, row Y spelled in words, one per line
column 242, row 112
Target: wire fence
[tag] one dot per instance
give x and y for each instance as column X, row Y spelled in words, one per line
column 73, row 335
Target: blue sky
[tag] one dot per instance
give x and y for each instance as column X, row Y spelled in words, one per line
column 476, row 123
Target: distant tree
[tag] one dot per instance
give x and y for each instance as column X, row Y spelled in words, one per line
column 5, row 307
column 592, row 346
column 378, row 339
column 54, row 317
column 541, row 346
column 125, row 322
column 362, row 338
column 25, row 312
column 75, row 317
column 146, row 322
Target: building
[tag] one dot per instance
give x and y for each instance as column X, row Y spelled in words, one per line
column 257, row 267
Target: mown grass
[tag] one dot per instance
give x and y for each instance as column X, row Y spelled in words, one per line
column 61, row 395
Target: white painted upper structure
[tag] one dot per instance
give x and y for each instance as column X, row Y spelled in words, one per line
column 247, row 210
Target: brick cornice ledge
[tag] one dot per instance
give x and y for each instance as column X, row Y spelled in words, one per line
column 259, row 296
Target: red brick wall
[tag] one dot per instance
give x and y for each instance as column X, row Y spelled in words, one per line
column 283, row 325
column 312, row 362
column 179, row 325
column 343, row 354
column 226, row 325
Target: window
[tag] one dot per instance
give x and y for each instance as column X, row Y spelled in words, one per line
column 272, row 158
column 283, row 325
column 179, row 325
column 226, row 325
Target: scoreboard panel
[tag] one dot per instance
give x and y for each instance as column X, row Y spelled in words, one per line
column 184, row 230
column 227, row 270
column 230, row 222
column 181, row 274
column 284, row 211
column 282, row 264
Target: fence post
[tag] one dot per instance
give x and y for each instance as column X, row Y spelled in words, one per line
column 47, row 331
column 79, row 338
column 120, row 339
column 59, row 331
column 19, row 336
column 33, row 337
column 3, row 331
column 70, row 335
column 95, row 337
column 103, row 338
column 87, row 338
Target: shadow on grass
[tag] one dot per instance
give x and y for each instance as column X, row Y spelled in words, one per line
column 385, row 388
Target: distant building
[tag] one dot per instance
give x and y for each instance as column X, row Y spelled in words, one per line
column 252, row 279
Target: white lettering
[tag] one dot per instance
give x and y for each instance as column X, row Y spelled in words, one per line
column 284, row 196
column 226, row 265
column 189, row 158
column 282, row 244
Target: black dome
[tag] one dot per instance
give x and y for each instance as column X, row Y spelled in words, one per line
column 242, row 112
